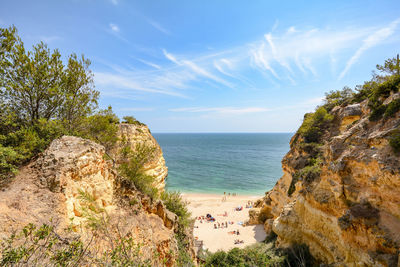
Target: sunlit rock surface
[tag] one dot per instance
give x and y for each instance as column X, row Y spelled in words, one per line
column 350, row 214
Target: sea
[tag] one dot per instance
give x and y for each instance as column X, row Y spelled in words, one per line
column 214, row 163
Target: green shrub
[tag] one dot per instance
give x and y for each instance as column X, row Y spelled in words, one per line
column 292, row 186
column 39, row 247
column 102, row 128
column 216, row 259
column 314, row 125
column 132, row 120
column 377, row 113
column 184, row 258
column 307, row 174
column 9, row 160
column 394, row 141
column 392, row 108
column 133, row 168
column 338, row 98
column 260, row 254
column 173, row 202
column 299, row 255
column 43, row 246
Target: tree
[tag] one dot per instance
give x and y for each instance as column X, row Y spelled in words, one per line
column 36, row 84
column 129, row 119
column 40, row 99
column 102, row 128
column 133, row 167
column 80, row 98
column 32, row 82
column 338, row 97
column 390, row 67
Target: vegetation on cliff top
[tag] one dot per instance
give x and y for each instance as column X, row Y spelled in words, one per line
column 261, row 254
column 41, row 99
column 316, row 125
column 379, row 88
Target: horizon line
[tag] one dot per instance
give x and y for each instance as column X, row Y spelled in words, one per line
column 217, row 132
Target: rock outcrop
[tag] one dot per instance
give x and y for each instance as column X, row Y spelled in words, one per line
column 72, row 180
column 349, row 213
column 133, row 134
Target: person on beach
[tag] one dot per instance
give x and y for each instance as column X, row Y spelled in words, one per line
column 237, row 232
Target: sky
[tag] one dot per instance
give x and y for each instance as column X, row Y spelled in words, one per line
column 215, row 66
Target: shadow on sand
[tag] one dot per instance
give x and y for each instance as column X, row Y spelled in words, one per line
column 259, row 233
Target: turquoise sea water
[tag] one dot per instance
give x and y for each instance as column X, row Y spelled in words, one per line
column 243, row 163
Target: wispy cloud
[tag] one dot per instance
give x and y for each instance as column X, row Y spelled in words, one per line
column 196, row 69
column 219, row 66
column 148, row 63
column 127, row 83
column 170, row 57
column 50, row 39
column 372, row 40
column 291, row 29
column 275, row 26
column 283, row 58
column 114, row 27
column 116, row 31
column 158, row 27
column 262, row 59
column 279, row 54
column 221, row 110
column 114, row 2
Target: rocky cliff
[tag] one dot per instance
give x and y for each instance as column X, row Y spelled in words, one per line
column 340, row 196
column 73, row 186
column 133, row 134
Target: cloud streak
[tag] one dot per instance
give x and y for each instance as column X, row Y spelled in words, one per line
column 372, row 40
column 114, row 27
column 127, row 83
column 148, row 63
column 196, row 69
column 158, row 27
column 282, row 58
column 49, row 39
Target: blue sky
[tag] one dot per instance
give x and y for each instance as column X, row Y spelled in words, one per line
column 215, row 66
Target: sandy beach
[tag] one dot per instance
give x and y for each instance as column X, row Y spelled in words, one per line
column 222, row 238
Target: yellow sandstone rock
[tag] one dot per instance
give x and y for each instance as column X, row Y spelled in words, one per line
column 350, row 214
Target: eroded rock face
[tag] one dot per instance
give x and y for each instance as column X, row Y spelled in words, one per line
column 131, row 135
column 349, row 214
column 52, row 190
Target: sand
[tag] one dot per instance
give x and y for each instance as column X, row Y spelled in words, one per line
column 220, row 239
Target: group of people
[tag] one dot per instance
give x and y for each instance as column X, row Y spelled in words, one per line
column 234, row 232
column 222, row 225
column 249, row 204
column 228, row 195
column 207, row 218
column 239, row 208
